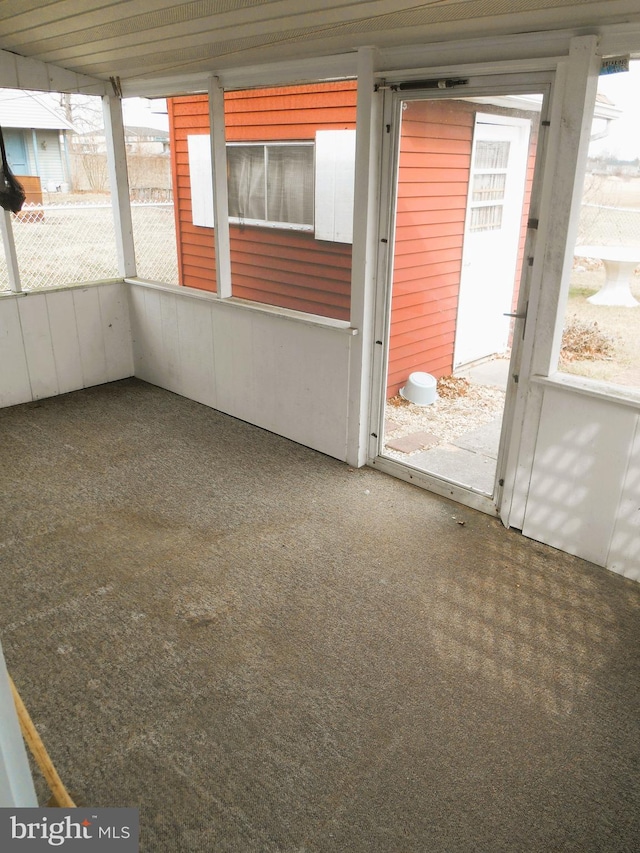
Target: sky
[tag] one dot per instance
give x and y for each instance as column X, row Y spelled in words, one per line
column 623, row 90
column 141, row 112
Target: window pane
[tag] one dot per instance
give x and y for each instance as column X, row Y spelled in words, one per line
column 601, row 338
column 150, row 189
column 489, row 187
column 486, row 218
column 64, row 233
column 492, row 155
column 290, row 184
column 246, row 181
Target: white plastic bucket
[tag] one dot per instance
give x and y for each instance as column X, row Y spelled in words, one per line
column 421, row 389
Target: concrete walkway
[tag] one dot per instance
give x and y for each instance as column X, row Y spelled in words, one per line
column 471, row 459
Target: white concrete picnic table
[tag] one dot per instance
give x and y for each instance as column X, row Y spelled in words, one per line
column 619, row 264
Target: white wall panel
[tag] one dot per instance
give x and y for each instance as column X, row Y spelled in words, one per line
column 38, row 345
column 285, row 375
column 235, row 356
column 14, row 375
column 64, row 338
column 86, row 302
column 581, row 473
column 153, row 336
column 140, row 334
column 116, row 330
column 195, row 333
column 56, row 341
column 170, row 342
column 624, row 555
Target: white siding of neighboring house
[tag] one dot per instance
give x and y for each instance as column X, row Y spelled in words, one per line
column 49, row 162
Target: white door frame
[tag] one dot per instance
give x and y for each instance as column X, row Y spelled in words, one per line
column 489, row 85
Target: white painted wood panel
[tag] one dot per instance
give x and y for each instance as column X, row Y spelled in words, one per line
column 116, row 330
column 56, row 341
column 64, row 338
column 170, row 342
column 624, row 555
column 144, row 308
column 234, row 360
column 38, row 345
column 285, row 375
column 579, row 471
column 86, row 302
column 153, row 336
column 14, row 375
column 195, row 336
column 139, row 332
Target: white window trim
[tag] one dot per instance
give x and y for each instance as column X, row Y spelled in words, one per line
column 266, row 223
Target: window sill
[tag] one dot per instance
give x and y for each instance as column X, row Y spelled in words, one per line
column 581, row 385
column 56, row 288
column 276, row 226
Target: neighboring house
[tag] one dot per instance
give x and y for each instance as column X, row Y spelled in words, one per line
column 148, row 162
column 35, row 135
column 146, row 140
column 138, row 140
column 302, row 139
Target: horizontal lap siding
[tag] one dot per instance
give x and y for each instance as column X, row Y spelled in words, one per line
column 435, row 157
column 289, row 269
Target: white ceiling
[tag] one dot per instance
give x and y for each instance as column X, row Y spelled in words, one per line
column 147, row 39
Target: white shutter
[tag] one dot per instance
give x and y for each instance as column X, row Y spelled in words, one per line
column 335, row 174
column 201, row 180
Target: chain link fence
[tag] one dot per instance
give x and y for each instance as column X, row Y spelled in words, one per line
column 68, row 243
column 604, row 225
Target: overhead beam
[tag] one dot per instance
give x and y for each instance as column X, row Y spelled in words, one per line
column 335, row 67
column 22, row 72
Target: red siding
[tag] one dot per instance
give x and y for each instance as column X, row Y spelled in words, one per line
column 434, row 164
column 289, row 269
column 435, row 157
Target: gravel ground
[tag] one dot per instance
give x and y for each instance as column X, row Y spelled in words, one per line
column 448, row 418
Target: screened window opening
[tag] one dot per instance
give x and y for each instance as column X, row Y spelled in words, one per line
column 271, row 184
column 601, row 331
column 290, row 172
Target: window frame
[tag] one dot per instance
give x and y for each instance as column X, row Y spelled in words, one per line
column 602, row 388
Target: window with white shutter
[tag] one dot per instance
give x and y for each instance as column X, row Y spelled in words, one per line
column 290, row 185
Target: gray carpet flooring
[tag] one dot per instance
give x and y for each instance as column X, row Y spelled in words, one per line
column 265, row 650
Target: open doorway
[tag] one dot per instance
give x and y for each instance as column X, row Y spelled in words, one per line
column 456, row 307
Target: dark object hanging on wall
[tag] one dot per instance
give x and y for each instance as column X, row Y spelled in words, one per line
column 12, row 194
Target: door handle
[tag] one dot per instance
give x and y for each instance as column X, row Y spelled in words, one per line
column 520, row 315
